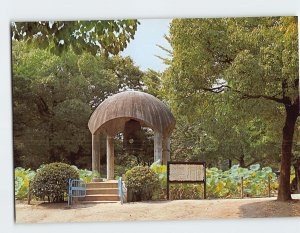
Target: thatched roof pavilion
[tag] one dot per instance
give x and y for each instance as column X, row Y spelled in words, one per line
column 110, row 118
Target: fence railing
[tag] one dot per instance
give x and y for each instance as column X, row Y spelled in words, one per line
column 77, row 188
column 122, row 190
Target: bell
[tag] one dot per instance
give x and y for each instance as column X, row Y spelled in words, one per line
column 133, row 136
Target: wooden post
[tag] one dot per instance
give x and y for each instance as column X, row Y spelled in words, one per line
column 110, row 158
column 165, row 150
column 269, row 187
column 204, row 190
column 204, row 166
column 29, row 193
column 168, row 174
column 168, row 190
column 242, row 187
column 96, row 157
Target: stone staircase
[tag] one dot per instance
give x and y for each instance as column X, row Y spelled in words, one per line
column 101, row 192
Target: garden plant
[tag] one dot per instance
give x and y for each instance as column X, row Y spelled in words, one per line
column 51, row 181
column 151, row 182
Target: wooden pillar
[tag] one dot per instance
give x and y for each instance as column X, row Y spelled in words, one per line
column 110, row 158
column 165, row 150
column 157, row 146
column 96, row 157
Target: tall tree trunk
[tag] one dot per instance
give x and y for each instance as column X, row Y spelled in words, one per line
column 292, row 112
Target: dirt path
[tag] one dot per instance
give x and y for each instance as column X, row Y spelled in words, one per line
column 163, row 210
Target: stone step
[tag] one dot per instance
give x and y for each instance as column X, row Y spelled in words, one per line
column 100, row 197
column 101, row 185
column 92, row 191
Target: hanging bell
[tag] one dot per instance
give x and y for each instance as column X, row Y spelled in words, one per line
column 133, row 136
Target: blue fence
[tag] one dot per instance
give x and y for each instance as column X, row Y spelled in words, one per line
column 122, row 190
column 77, row 188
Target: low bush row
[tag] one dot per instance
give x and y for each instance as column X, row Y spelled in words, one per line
column 50, row 182
column 256, row 182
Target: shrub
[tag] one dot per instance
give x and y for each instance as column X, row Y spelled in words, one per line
column 84, row 174
column 186, row 191
column 161, row 171
column 142, row 183
column 22, row 179
column 51, row 181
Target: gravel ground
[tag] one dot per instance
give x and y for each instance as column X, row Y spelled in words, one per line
column 161, row 210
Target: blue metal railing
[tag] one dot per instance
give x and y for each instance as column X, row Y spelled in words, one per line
column 122, row 190
column 77, row 188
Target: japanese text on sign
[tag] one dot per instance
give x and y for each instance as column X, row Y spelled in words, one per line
column 186, row 172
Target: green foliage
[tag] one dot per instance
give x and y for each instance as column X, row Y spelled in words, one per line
column 177, row 191
column 85, row 175
column 192, row 141
column 128, row 74
column 229, row 84
column 159, row 169
column 53, row 97
column 152, row 81
column 222, row 184
column 22, row 179
column 51, row 181
column 186, row 191
column 110, row 36
column 142, row 182
column 227, row 184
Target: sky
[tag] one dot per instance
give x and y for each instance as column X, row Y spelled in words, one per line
column 143, row 48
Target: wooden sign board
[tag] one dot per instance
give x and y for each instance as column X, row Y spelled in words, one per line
column 186, row 172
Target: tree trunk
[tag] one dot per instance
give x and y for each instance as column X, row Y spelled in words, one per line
column 52, row 152
column 292, row 112
column 297, row 176
column 242, row 161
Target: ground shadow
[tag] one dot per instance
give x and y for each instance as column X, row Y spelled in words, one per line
column 154, row 202
column 64, row 205
column 270, row 208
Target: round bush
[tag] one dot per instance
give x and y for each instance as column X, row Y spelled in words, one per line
column 51, row 181
column 142, row 183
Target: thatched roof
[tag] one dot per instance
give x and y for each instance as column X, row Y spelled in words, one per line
column 110, row 116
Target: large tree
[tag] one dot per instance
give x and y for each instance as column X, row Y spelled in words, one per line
column 108, row 36
column 218, row 132
column 53, row 97
column 254, row 60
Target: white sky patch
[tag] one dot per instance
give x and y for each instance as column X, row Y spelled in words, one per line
column 143, row 48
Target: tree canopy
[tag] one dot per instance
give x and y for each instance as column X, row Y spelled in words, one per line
column 54, row 97
column 109, row 36
column 232, row 84
column 247, row 67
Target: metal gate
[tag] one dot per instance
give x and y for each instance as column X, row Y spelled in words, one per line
column 77, row 188
column 122, row 190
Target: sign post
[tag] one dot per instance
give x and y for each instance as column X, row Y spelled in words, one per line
column 186, row 172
